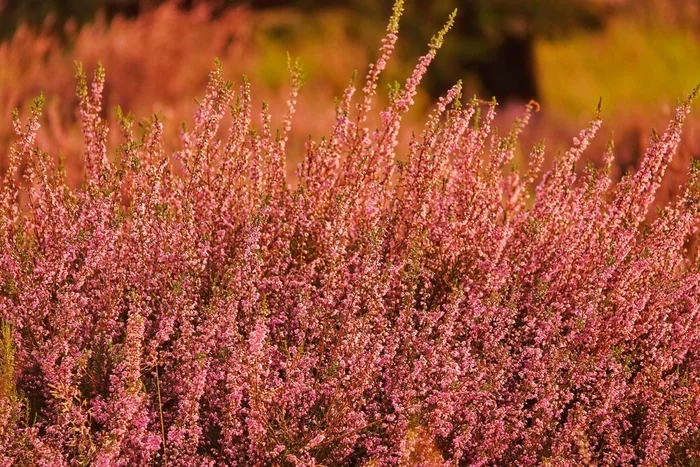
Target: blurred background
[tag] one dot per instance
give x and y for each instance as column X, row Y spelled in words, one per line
column 640, row 56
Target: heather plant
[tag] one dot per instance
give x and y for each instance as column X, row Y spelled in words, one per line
column 148, row 82
column 438, row 307
column 247, row 42
column 159, row 75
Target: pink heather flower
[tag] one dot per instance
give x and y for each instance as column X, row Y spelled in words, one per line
column 316, row 441
column 257, row 337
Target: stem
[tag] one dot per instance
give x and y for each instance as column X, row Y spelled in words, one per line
column 162, row 425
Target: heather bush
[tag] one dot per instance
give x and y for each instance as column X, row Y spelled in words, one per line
column 193, row 308
column 163, row 76
column 157, row 74
column 148, row 81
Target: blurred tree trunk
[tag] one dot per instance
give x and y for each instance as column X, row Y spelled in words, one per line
column 509, row 72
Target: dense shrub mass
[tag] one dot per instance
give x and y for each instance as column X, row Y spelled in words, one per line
column 194, row 309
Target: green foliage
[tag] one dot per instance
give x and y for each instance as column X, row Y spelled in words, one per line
column 584, row 62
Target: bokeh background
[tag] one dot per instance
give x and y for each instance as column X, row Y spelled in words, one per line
column 639, row 56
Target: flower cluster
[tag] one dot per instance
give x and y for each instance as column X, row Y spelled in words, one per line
column 438, row 307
